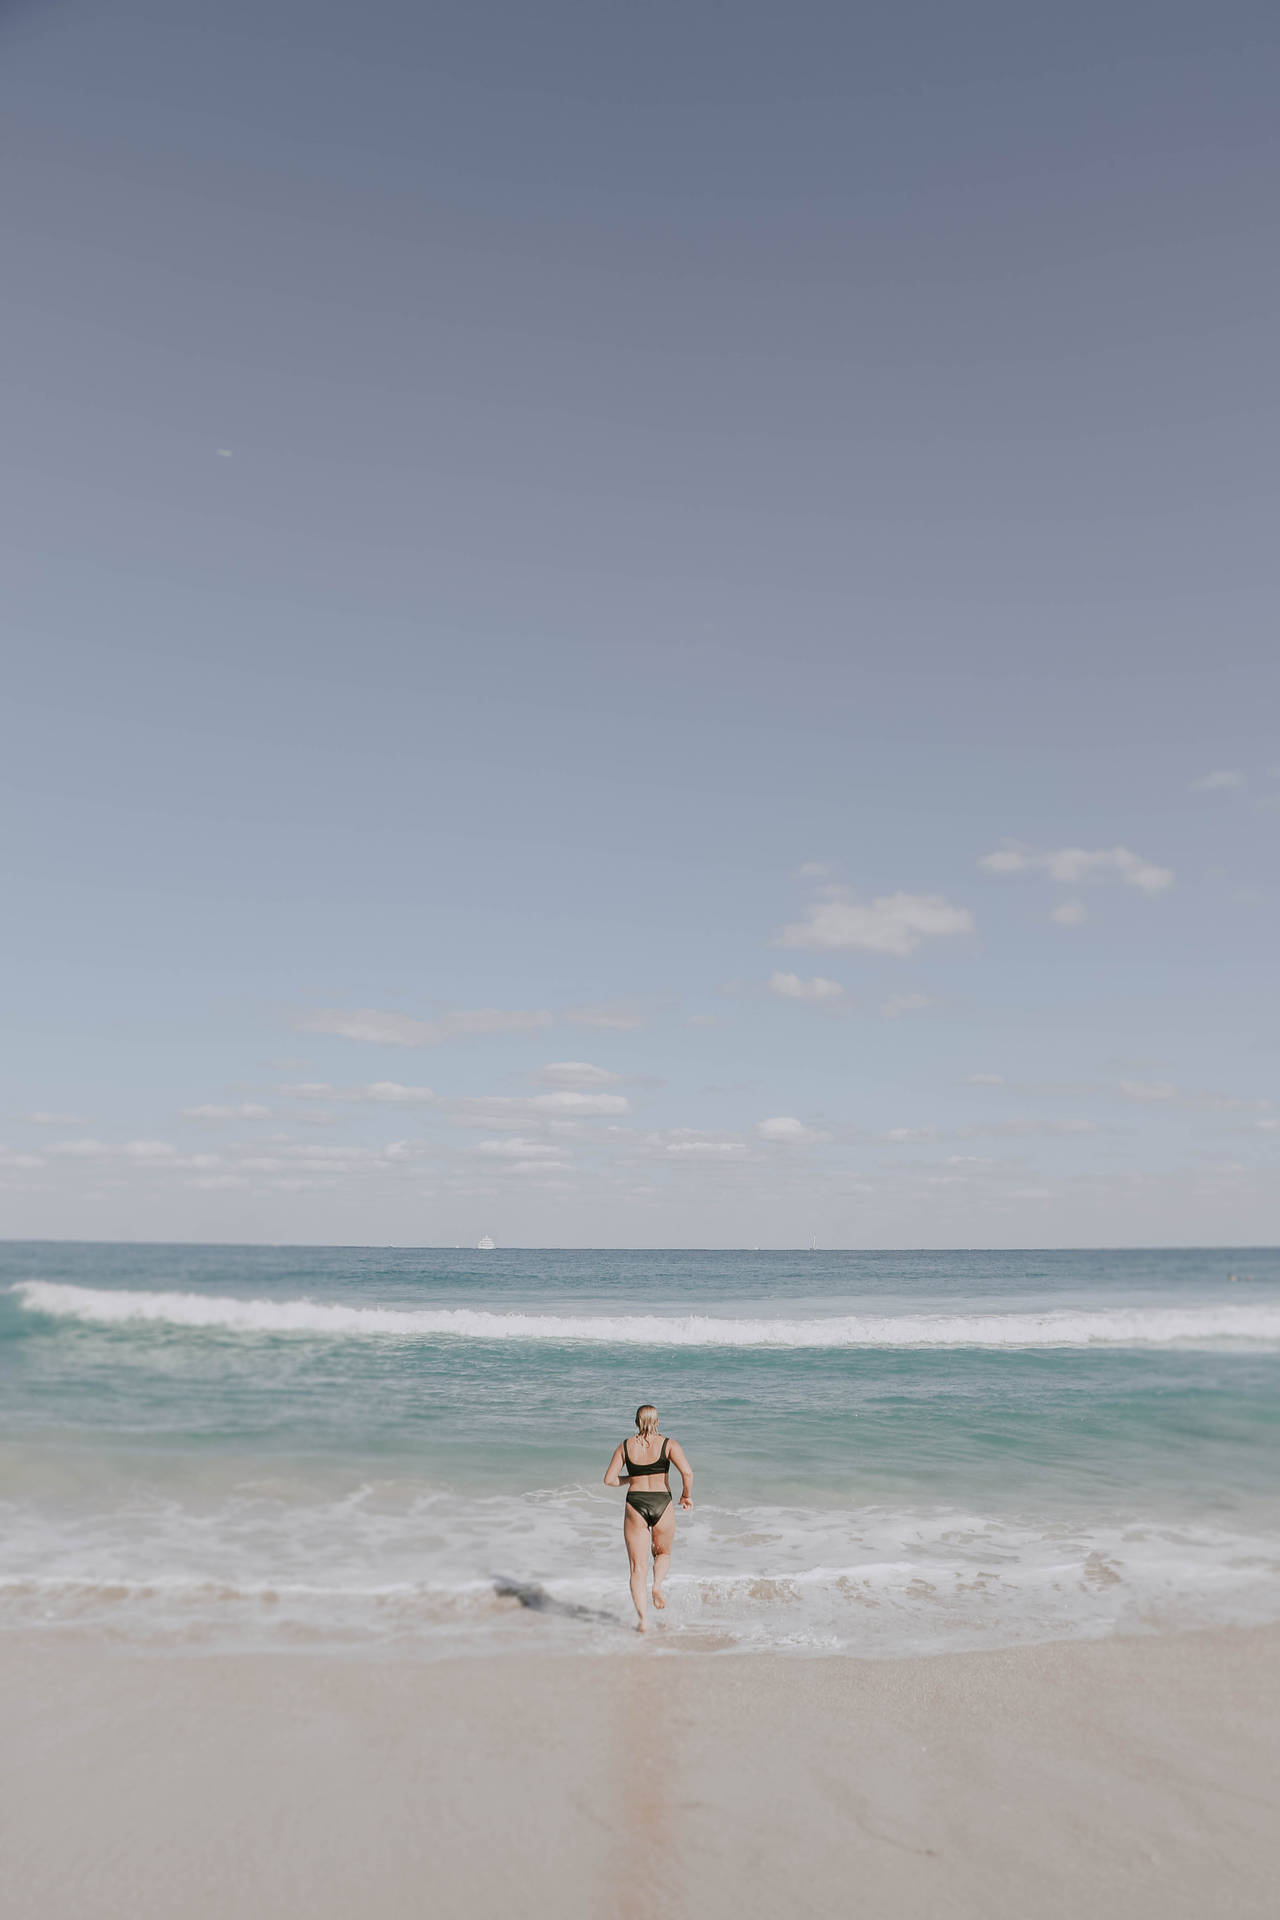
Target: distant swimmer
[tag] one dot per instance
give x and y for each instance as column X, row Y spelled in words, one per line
column 648, row 1518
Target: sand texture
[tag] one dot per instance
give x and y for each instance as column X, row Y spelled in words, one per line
column 1131, row 1778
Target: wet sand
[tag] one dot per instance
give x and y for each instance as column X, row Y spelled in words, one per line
column 1135, row 1778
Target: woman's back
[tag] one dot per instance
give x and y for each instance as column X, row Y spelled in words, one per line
column 656, row 1469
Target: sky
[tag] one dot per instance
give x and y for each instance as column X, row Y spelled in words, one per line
column 639, row 626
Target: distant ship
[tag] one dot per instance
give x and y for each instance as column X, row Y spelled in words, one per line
column 813, row 1243
column 484, row 1244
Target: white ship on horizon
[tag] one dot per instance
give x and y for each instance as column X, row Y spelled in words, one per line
column 484, row 1244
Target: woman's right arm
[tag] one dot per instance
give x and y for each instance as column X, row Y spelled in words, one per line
column 613, row 1474
column 680, row 1461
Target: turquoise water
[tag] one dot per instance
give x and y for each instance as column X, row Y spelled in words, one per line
column 387, row 1447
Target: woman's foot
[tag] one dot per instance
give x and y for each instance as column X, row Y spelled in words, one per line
column 659, row 1598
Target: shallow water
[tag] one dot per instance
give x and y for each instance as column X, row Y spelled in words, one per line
column 385, row 1447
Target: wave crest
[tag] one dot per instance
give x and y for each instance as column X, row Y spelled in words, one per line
column 1256, row 1324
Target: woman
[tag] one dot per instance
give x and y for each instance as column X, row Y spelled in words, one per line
column 648, row 1519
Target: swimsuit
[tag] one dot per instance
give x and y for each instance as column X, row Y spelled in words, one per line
column 651, row 1505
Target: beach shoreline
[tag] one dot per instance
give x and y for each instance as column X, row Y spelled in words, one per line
column 1134, row 1775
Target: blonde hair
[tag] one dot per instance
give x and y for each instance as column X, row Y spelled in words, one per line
column 646, row 1419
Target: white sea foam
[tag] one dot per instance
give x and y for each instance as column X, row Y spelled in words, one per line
column 1256, row 1324
column 440, row 1572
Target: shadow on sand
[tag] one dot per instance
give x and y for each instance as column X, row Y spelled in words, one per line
column 537, row 1600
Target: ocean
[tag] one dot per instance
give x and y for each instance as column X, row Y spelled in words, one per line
column 394, row 1449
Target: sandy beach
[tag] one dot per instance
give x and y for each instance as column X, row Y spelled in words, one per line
column 1126, row 1776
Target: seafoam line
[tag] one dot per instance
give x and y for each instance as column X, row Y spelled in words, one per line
column 1257, row 1324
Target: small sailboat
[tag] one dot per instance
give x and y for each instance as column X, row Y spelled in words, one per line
column 813, row 1243
column 484, row 1244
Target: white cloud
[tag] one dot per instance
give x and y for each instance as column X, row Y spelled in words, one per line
column 695, row 1143
column 814, row 870
column 896, row 923
column 817, row 991
column 1072, row 913
column 25, row 1161
column 1037, row 1087
column 148, row 1150
column 247, row 1110
column 1220, row 781
column 899, row 1003
column 1007, row 860
column 1205, row 1101
column 292, row 1157
column 272, row 1155
column 1074, row 866
column 391, row 1093
column 991, row 1130
column 381, row 1028
column 506, row 1110
column 575, row 1074
column 43, row 1119
column 620, row 1015
column 386, row 1093
column 568, row 1101
column 1142, row 1091
column 101, row 1150
column 518, row 1149
column 786, row 1129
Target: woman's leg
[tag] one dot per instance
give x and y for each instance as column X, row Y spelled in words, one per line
column 635, row 1532
column 664, row 1533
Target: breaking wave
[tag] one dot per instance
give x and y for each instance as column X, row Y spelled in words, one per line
column 1254, row 1325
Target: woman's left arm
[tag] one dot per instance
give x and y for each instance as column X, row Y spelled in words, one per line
column 613, row 1472
column 680, row 1461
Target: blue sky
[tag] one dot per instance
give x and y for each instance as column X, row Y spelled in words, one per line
column 640, row 626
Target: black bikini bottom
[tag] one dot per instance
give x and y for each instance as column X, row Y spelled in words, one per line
column 650, row 1506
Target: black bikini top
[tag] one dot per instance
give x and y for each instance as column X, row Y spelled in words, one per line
column 635, row 1471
